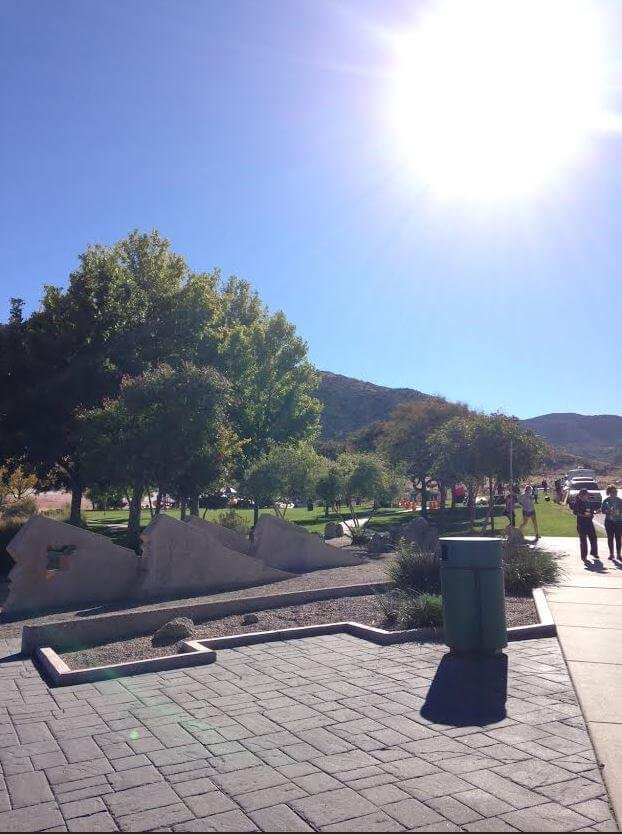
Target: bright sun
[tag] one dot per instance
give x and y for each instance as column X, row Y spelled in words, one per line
column 494, row 97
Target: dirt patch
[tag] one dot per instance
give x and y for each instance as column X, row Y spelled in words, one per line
column 365, row 610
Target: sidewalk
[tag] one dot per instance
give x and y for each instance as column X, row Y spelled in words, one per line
column 587, row 609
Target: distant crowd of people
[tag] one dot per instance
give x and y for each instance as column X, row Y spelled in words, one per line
column 582, row 508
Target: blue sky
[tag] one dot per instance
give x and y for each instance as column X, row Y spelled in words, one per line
column 255, row 134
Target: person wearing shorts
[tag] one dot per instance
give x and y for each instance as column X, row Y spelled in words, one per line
column 529, row 510
column 612, row 508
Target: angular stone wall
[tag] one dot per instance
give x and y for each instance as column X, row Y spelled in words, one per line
column 229, row 538
column 289, row 547
column 58, row 565
column 185, row 558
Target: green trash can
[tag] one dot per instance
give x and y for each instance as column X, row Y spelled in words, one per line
column 473, row 595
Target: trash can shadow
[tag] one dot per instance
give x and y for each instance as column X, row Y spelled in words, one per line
column 468, row 691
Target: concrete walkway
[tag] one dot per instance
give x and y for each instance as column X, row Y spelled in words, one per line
column 587, row 609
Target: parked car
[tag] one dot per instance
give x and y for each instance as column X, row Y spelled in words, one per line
column 573, row 474
column 595, row 498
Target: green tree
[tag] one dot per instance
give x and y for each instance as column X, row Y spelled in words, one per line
column 127, row 308
column 285, row 474
column 475, row 449
column 168, row 426
column 329, row 487
column 117, row 316
column 406, row 435
column 273, row 382
column 366, row 476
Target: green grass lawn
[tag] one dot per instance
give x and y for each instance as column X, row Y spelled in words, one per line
column 106, row 522
column 553, row 519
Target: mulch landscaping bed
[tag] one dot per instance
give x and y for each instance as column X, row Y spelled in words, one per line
column 365, row 610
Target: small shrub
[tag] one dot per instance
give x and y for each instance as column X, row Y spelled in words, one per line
column 413, row 570
column 526, row 568
column 234, row 521
column 358, row 536
column 412, row 610
column 23, row 508
column 8, row 528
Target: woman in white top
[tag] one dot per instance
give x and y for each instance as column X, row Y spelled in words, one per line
column 529, row 510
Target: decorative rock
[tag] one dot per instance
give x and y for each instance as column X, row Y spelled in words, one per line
column 290, row 547
column 58, row 565
column 182, row 558
column 178, row 629
column 250, row 619
column 420, row 533
column 222, row 535
column 330, row 531
column 380, row 543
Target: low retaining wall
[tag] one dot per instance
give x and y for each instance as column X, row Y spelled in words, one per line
column 200, row 652
column 58, row 673
column 78, row 632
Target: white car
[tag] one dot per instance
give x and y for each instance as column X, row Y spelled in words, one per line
column 594, row 495
column 573, row 474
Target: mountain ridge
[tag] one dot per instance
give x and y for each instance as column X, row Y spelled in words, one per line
column 351, row 404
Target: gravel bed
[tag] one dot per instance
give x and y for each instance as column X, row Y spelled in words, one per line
column 370, row 570
column 366, row 610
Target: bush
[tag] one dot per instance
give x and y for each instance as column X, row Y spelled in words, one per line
column 23, row 508
column 526, row 568
column 235, row 521
column 412, row 610
column 358, row 536
column 413, row 570
column 8, row 528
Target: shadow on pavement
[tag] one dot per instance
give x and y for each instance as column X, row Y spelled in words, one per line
column 468, row 691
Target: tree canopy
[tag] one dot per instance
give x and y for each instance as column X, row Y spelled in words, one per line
column 129, row 308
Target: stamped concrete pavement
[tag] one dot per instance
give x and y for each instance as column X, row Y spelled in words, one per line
column 327, row 734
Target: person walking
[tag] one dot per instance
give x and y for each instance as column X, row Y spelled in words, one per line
column 612, row 508
column 528, row 506
column 585, row 525
column 510, row 506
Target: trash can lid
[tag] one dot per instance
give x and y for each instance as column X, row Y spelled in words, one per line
column 471, row 552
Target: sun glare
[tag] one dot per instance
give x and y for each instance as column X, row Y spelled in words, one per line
column 495, row 97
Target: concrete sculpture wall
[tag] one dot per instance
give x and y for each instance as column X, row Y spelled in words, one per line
column 290, row 547
column 187, row 558
column 229, row 538
column 58, row 565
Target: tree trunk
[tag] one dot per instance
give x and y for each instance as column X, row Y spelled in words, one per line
column 133, row 523
column 182, row 509
column 453, row 497
column 158, row 504
column 255, row 513
column 442, row 491
column 193, row 504
column 471, row 503
column 76, row 502
column 424, row 497
column 326, row 509
column 150, row 504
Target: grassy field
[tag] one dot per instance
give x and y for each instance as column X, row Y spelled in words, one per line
column 553, row 519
